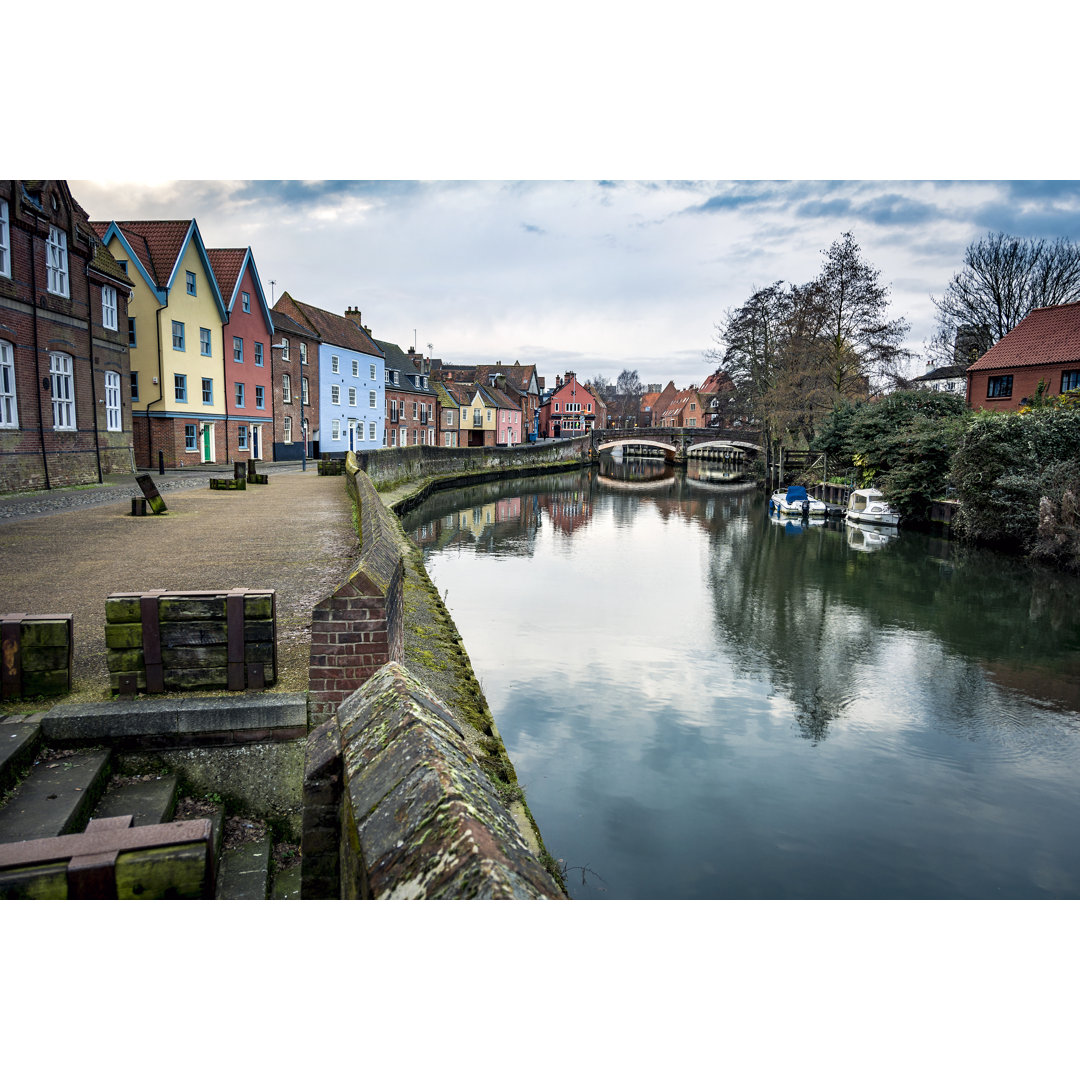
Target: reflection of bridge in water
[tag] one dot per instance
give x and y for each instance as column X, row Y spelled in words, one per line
column 734, row 447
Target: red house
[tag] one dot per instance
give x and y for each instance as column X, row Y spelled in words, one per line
column 248, row 334
column 570, row 411
column 1044, row 347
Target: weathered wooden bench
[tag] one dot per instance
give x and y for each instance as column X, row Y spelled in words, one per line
column 159, row 640
column 111, row 860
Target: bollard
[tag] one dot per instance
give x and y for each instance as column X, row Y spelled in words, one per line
column 161, row 463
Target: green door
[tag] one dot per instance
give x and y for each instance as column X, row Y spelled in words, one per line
column 206, row 442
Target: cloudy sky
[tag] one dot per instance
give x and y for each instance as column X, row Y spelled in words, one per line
column 590, row 276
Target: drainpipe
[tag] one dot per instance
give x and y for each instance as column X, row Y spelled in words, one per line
column 37, row 358
column 225, row 387
column 90, row 360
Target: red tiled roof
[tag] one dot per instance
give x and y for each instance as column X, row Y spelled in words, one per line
column 156, row 244
column 333, row 329
column 1049, row 335
column 226, row 264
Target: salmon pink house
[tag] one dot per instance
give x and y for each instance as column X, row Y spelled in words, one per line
column 248, row 333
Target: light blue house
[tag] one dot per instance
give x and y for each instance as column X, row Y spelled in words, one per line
column 351, row 405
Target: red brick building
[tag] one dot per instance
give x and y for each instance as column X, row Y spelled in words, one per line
column 294, row 374
column 570, row 411
column 1044, row 347
column 65, row 404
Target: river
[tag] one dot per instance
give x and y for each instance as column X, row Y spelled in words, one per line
column 704, row 703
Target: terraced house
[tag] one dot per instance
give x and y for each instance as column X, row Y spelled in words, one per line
column 65, row 411
column 411, row 400
column 294, row 368
column 351, row 374
column 176, row 319
column 248, row 397
column 569, row 411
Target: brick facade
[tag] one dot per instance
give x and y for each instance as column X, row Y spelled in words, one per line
column 66, row 375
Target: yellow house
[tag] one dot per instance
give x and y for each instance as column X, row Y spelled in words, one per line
column 176, row 319
column 478, row 420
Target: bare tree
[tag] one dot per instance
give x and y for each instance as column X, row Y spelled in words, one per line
column 627, row 398
column 1003, row 279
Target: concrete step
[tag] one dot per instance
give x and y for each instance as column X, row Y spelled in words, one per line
column 150, row 802
column 244, row 871
column 287, row 884
column 55, row 798
column 19, row 738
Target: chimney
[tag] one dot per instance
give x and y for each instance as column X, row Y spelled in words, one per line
column 558, row 381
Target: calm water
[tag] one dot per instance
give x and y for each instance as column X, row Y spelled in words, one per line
column 704, row 703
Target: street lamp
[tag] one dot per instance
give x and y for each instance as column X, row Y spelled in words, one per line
column 283, row 345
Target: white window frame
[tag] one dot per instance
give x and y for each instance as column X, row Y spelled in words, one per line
column 360, row 431
column 61, row 374
column 112, row 401
column 371, row 431
column 334, row 365
column 352, row 395
column 304, row 390
column 285, row 349
column 9, row 402
column 335, row 395
column 108, row 307
column 356, row 369
column 5, row 240
column 286, row 430
column 371, row 399
column 286, row 388
column 56, row 262
column 303, row 352
column 335, row 429
column 372, row 368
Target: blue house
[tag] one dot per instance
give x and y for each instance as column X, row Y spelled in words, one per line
column 351, row 405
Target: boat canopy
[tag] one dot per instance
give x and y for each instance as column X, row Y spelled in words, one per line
column 796, row 494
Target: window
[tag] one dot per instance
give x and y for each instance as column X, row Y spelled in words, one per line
column 112, row 401
column 260, row 397
column 334, row 364
column 446, row 439
column 360, row 432
column 180, row 387
column 63, row 392
column 555, row 406
column 190, row 283
column 5, row 241
column 489, row 416
column 303, row 352
column 239, row 395
column 190, row 443
column 208, row 391
column 56, row 262
column 394, row 377
column 1070, row 380
column 476, row 421
column 414, row 411
column 999, row 386
column 245, row 301
column 284, row 348
column 371, row 399
column 9, row 406
column 204, row 341
column 372, row 376
column 122, row 263
column 286, row 389
column 108, row 307
column 241, row 437
column 238, row 350
column 356, row 368
column 178, row 336
column 303, row 391
column 371, row 431
column 258, row 354
column 448, row 420
column 134, row 386
column 131, row 333
column 693, row 406
column 352, row 395
column 335, row 395
column 335, row 429
column 393, row 411
column 393, row 437
column 588, row 406
column 287, row 429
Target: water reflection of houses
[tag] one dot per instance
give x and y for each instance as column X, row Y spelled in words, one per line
column 568, row 510
column 487, row 524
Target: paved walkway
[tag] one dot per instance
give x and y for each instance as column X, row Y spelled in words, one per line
column 65, row 551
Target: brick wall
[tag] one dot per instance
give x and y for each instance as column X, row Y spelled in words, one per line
column 359, row 627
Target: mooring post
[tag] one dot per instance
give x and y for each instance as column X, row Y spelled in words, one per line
column 161, row 463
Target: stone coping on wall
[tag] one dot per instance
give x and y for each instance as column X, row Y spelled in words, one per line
column 421, row 819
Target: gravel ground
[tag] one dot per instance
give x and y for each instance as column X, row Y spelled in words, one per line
column 65, row 551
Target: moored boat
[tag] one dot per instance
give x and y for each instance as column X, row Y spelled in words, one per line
column 869, row 505
column 795, row 501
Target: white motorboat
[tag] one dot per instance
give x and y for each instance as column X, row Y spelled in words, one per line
column 868, row 505
column 795, row 501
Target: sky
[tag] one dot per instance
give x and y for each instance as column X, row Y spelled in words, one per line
column 591, row 276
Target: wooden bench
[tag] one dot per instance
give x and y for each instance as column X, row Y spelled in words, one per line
column 111, row 861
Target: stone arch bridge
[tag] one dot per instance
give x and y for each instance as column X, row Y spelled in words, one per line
column 677, row 444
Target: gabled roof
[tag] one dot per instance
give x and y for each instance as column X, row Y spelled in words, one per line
column 333, row 329
column 290, row 327
column 952, row 371
column 717, row 383
column 157, row 248
column 1049, row 335
column 398, row 360
column 229, row 265
column 680, row 401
